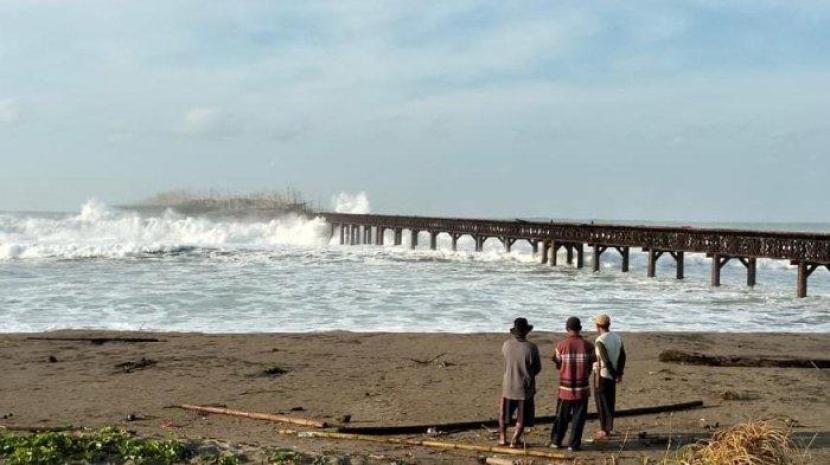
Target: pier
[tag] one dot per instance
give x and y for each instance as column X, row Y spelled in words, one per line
column 807, row 251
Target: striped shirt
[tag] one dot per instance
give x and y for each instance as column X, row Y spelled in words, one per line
column 574, row 358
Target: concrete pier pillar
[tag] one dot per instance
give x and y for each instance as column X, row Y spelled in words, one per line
column 625, row 254
column 803, row 273
column 570, row 256
column 379, row 235
column 751, row 264
column 342, row 234
column 718, row 261
column 598, row 251
column 479, row 243
column 554, row 252
column 433, row 240
column 455, row 237
column 545, row 250
column 680, row 259
column 805, row 269
column 535, row 245
column 398, row 236
column 653, row 256
column 414, row 238
column 580, row 256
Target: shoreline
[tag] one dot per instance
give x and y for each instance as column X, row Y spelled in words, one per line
column 379, row 379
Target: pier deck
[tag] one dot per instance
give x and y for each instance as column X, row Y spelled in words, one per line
column 807, row 251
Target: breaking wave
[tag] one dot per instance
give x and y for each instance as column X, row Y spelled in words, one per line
column 100, row 232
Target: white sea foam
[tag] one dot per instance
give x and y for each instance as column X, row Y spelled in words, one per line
column 180, row 273
column 345, row 202
column 99, row 232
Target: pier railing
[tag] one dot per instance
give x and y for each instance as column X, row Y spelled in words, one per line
column 807, row 250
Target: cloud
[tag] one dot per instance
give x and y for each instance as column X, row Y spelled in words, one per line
column 9, row 112
column 207, row 121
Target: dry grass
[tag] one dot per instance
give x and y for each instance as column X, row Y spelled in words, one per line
column 752, row 443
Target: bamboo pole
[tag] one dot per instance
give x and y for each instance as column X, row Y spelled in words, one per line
column 93, row 340
column 467, row 425
column 427, row 443
column 39, row 429
column 255, row 415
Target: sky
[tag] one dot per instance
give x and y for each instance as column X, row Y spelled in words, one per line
column 683, row 111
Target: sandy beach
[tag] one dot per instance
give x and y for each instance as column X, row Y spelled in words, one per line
column 388, row 379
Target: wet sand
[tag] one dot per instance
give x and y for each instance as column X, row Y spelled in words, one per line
column 376, row 379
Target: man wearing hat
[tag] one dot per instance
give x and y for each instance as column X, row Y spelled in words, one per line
column 608, row 371
column 574, row 358
column 521, row 365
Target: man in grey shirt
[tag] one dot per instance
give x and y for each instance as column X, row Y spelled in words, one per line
column 521, row 365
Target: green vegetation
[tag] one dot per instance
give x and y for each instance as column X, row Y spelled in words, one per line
column 118, row 447
column 107, row 445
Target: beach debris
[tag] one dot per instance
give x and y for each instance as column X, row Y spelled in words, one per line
column 504, row 461
column 39, row 428
column 131, row 366
column 275, row 371
column 6, row 416
column 52, row 359
column 499, row 461
column 426, row 443
column 476, row 424
column 136, row 417
column 254, row 415
column 429, row 361
column 94, row 340
column 757, row 442
column 734, row 395
column 169, row 423
column 696, row 358
column 347, row 418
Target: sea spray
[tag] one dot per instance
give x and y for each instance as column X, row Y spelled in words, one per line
column 351, row 203
column 99, row 232
column 178, row 272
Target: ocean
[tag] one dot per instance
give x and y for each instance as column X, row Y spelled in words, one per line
column 104, row 268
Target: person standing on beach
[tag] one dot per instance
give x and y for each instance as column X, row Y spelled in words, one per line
column 608, row 371
column 521, row 365
column 574, row 358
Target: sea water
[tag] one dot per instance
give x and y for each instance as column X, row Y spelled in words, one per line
column 103, row 268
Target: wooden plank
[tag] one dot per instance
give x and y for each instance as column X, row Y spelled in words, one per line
column 254, row 415
column 491, row 423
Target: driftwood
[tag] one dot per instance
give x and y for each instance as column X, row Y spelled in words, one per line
column 695, row 358
column 427, row 443
column 255, row 415
column 39, row 429
column 468, row 425
column 94, row 340
column 133, row 365
column 427, row 362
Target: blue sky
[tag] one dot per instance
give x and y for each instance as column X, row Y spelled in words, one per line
column 690, row 111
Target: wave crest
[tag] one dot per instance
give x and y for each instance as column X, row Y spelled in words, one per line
column 99, row 232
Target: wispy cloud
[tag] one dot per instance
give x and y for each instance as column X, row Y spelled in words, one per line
column 208, row 122
column 459, row 92
column 9, row 112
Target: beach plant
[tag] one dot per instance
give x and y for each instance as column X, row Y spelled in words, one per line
column 223, row 458
column 107, row 445
column 751, row 443
column 290, row 457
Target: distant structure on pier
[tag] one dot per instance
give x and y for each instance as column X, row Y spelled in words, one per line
column 807, row 251
column 255, row 205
